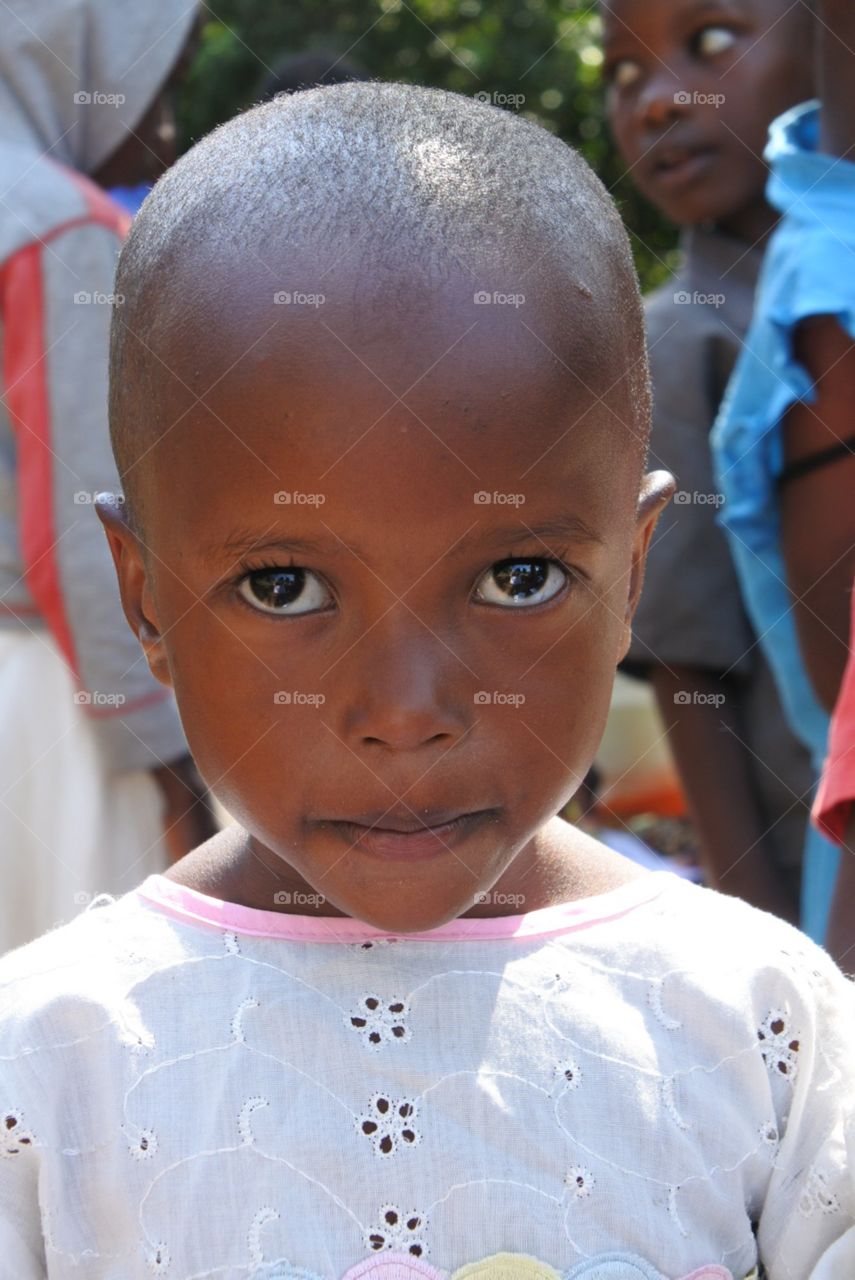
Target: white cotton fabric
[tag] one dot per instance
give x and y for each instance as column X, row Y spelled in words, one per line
column 644, row 1074
column 69, row 828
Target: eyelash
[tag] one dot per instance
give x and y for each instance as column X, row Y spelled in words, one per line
column 575, row 576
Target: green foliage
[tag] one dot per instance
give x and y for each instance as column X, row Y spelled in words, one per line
column 545, row 50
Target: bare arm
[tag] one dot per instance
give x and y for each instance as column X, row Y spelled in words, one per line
column 716, row 776
column 817, row 511
column 836, row 75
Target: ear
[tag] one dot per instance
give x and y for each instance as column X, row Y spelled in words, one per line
column 137, row 599
column 656, row 491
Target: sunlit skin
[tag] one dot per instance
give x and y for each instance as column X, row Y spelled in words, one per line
column 397, row 414
column 692, row 89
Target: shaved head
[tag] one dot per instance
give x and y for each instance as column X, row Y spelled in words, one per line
column 378, row 194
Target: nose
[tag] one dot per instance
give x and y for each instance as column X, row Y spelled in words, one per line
column 406, row 688
column 663, row 99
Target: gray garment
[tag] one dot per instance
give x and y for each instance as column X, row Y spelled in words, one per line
column 691, row 611
column 75, row 77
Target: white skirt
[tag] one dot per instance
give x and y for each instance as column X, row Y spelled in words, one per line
column 68, row 829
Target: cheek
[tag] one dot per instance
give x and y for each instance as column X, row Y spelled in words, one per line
column 568, row 691
column 621, row 119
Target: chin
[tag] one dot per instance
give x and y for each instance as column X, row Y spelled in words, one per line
column 402, row 918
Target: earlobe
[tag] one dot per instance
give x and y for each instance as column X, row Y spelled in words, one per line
column 656, row 491
column 134, row 588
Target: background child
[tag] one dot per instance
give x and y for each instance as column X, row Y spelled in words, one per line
column 691, row 91
column 400, row 1019
column 783, row 444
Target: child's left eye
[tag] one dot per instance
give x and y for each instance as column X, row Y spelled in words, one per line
column 519, row 582
column 713, row 40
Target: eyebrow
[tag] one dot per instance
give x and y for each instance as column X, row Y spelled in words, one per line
column 241, row 541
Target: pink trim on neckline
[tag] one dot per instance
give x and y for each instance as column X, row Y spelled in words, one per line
column 198, row 908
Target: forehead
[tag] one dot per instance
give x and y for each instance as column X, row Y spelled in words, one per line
column 391, row 398
column 623, row 17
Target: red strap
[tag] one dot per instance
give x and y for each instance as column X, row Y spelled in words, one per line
column 25, row 382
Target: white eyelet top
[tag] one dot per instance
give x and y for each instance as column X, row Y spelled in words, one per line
column 655, row 1083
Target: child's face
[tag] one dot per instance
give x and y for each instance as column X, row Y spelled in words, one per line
column 692, row 89
column 352, row 655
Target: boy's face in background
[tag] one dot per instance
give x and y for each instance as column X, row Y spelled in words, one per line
column 692, row 89
column 388, row 461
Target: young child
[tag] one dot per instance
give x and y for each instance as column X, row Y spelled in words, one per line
column 691, row 91
column 379, row 404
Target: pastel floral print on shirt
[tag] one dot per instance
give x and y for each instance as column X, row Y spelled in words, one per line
column 506, row 1266
column 628, row 1266
column 613, row 1266
column 380, row 1022
column 389, row 1123
column 393, row 1266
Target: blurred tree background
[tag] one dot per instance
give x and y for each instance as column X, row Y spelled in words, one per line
column 539, row 57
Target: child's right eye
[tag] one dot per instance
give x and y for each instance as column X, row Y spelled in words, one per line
column 284, row 590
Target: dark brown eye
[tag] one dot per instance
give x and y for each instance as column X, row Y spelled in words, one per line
column 520, row 582
column 284, row 590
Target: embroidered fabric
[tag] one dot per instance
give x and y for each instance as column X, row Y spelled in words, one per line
column 648, row 1085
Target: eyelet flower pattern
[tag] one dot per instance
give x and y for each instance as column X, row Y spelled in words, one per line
column 14, row 1137
column 389, row 1122
column 403, row 1232
column 158, row 1259
column 568, row 1074
column 380, row 1022
column 778, row 1045
column 816, row 1197
column 144, row 1145
column 579, row 1181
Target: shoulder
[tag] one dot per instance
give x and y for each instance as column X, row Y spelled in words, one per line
column 707, row 945
column 75, row 981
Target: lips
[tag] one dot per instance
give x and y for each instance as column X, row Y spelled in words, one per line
column 678, row 164
column 408, row 835
column 403, row 821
